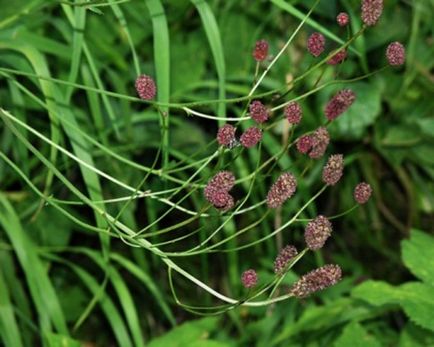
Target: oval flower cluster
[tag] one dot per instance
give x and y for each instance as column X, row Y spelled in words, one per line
column 284, row 187
column 217, row 190
column 315, row 144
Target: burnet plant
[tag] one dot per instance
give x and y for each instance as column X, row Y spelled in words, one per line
column 260, row 116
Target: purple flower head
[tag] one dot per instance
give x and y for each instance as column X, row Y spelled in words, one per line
column 145, row 87
column 249, row 278
column 304, row 143
column 315, row 44
column 339, row 103
column 343, row 19
column 258, row 111
column 395, row 54
column 333, row 170
column 320, row 141
column 223, row 180
column 226, row 135
column 284, row 187
column 285, row 255
column 293, row 112
column 371, row 11
column 362, row 193
column 316, row 280
column 317, row 232
column 260, row 52
column 217, row 190
column 251, row 137
column 338, row 58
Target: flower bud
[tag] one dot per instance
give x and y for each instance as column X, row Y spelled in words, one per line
column 258, row 112
column 339, row 103
column 284, row 187
column 362, row 193
column 333, row 170
column 317, row 232
column 395, row 54
column 249, row 278
column 283, row 258
column 226, row 135
column 371, row 11
column 343, row 19
column 320, row 141
column 145, row 87
column 293, row 112
column 261, row 50
column 251, row 137
column 316, row 44
column 338, row 58
column 304, row 143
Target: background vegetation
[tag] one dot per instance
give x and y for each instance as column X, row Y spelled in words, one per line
column 65, row 281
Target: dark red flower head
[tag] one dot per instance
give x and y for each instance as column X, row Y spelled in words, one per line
column 320, row 141
column 395, row 54
column 362, row 193
column 281, row 190
column 304, row 143
column 226, row 135
column 217, row 190
column 145, row 87
column 343, row 19
column 333, row 170
column 371, row 11
column 316, row 280
column 249, row 278
column 251, row 137
column 293, row 112
column 316, row 44
column 258, row 111
column 338, row 58
column 317, row 232
column 261, row 50
column 339, row 103
column 283, row 258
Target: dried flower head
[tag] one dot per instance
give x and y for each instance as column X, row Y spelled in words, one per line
column 320, row 141
column 362, row 192
column 338, row 58
column 316, row 280
column 395, row 54
column 258, row 111
column 223, row 180
column 285, row 255
column 371, row 11
column 317, row 232
column 284, row 187
column 315, row 44
column 339, row 103
column 343, row 19
column 226, row 135
column 249, row 278
column 251, row 137
column 293, row 112
column 145, row 87
column 333, row 170
column 304, row 143
column 260, row 52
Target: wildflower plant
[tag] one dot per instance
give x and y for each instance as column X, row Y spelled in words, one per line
column 205, row 198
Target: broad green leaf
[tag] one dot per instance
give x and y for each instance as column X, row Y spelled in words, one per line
column 191, row 333
column 418, row 255
column 376, row 293
column 355, row 336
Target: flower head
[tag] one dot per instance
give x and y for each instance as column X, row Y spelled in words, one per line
column 261, row 50
column 395, row 54
column 339, row 103
column 317, row 232
column 320, row 141
column 304, row 143
column 362, row 192
column 223, row 180
column 315, row 44
column 371, row 11
column 258, row 111
column 285, row 255
column 249, row 278
column 284, row 187
column 333, row 170
column 217, row 190
column 251, row 137
column 293, row 112
column 338, row 58
column 343, row 19
column 316, row 280
column 226, row 135
column 145, row 87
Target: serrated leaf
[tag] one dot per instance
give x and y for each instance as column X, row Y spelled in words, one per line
column 418, row 303
column 376, row 293
column 355, row 336
column 418, row 256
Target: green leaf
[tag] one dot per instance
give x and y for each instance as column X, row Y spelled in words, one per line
column 413, row 336
column 188, row 334
column 418, row 303
column 418, row 256
column 56, row 340
column 363, row 113
column 355, row 336
column 376, row 293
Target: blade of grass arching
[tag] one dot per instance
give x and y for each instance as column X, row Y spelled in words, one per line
column 77, row 48
column 108, row 307
column 162, row 68
column 143, row 277
column 213, row 34
column 40, row 287
column 314, row 24
column 9, row 332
